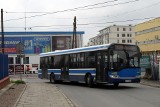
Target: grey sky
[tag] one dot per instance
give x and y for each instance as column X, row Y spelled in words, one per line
column 90, row 19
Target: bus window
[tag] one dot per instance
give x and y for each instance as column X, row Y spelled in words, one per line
column 66, row 63
column 78, row 61
column 118, row 60
column 105, row 55
column 51, row 62
column 91, row 60
column 57, row 60
column 73, row 61
column 123, row 59
column 82, row 60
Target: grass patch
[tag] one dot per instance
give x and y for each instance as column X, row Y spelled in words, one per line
column 18, row 82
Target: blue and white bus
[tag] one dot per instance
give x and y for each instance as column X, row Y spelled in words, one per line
column 102, row 64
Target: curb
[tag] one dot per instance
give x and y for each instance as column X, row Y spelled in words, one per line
column 6, row 88
column 16, row 103
column 152, row 85
column 68, row 100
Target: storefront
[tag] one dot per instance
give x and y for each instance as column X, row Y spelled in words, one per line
column 34, row 44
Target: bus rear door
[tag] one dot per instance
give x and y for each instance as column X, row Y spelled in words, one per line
column 65, row 68
column 101, row 67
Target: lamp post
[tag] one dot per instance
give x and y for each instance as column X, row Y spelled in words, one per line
column 2, row 30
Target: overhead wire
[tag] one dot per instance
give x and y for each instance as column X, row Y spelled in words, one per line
column 85, row 24
column 74, row 9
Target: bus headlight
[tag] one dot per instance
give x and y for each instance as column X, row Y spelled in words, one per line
column 138, row 76
column 114, row 76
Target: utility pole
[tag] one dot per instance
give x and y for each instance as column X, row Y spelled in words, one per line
column 2, row 30
column 74, row 40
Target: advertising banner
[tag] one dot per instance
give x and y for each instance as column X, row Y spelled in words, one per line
column 145, row 61
column 61, row 43
column 32, row 45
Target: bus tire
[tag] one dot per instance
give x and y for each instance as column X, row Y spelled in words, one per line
column 115, row 85
column 52, row 78
column 89, row 80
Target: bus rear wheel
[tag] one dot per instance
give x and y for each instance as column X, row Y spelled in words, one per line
column 89, row 81
column 52, row 78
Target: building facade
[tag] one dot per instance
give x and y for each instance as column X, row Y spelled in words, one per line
column 147, row 36
column 114, row 34
column 32, row 44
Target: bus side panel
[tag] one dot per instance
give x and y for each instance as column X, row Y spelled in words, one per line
column 57, row 73
column 40, row 73
column 79, row 74
column 128, row 75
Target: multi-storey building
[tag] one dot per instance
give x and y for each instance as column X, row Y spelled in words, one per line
column 32, row 44
column 147, row 36
column 114, row 34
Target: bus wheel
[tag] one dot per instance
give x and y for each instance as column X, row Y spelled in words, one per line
column 52, row 78
column 116, row 84
column 90, row 81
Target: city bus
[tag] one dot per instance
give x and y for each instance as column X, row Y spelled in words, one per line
column 101, row 64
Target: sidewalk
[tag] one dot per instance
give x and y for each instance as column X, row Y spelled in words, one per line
column 150, row 83
column 41, row 93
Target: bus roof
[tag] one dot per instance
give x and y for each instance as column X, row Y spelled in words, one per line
column 76, row 50
column 83, row 49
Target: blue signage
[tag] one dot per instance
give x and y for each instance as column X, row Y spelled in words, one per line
column 32, row 44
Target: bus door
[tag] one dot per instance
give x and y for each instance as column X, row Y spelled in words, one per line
column 101, row 67
column 44, row 67
column 65, row 68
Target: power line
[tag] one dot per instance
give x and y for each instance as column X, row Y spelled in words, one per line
column 128, row 12
column 74, row 9
column 130, row 20
column 85, row 24
column 69, row 9
column 111, row 5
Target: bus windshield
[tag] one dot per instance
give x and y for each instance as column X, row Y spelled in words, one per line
column 120, row 59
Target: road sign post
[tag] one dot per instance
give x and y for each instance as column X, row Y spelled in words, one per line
column 20, row 51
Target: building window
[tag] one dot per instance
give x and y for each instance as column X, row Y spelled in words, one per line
column 130, row 29
column 117, row 29
column 117, row 35
column 10, row 60
column 17, row 60
column 123, row 41
column 26, row 60
column 123, row 35
column 128, row 35
column 124, row 29
column 117, row 41
column 130, row 41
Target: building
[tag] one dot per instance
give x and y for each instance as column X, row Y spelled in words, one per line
column 31, row 44
column 114, row 34
column 147, row 36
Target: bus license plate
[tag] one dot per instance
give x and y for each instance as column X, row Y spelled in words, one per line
column 127, row 80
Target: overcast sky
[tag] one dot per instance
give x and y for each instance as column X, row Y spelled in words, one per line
column 92, row 15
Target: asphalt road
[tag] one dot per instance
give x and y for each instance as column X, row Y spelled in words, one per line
column 126, row 95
